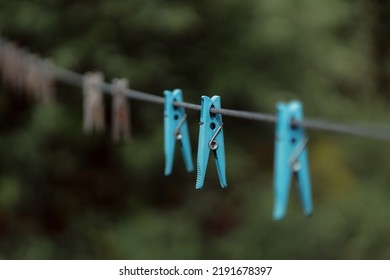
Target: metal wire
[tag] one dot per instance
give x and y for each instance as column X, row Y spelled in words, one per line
column 76, row 79
column 367, row 131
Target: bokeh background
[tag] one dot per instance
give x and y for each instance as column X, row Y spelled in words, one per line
column 68, row 195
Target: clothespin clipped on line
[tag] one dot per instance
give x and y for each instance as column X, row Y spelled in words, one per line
column 6, row 54
column 2, row 45
column 290, row 158
column 175, row 129
column 120, row 111
column 10, row 64
column 93, row 102
column 20, row 69
column 210, row 139
column 26, row 72
column 14, row 65
column 32, row 79
column 47, row 80
column 39, row 79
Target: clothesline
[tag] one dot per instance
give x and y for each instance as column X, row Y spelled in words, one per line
column 75, row 79
column 367, row 131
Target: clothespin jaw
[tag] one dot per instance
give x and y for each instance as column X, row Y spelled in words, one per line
column 175, row 129
column 210, row 139
column 290, row 158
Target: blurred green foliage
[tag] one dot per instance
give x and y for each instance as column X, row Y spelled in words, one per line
column 66, row 195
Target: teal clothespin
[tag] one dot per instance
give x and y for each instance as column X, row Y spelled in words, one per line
column 175, row 129
column 210, row 139
column 290, row 158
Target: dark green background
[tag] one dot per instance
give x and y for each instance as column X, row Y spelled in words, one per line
column 67, row 195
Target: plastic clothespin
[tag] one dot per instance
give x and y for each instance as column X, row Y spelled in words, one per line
column 210, row 139
column 120, row 111
column 93, row 102
column 175, row 129
column 291, row 158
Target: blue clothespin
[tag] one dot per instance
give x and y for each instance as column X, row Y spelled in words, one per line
column 175, row 129
column 210, row 139
column 290, row 158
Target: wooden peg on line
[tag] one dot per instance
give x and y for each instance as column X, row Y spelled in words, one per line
column 46, row 73
column 93, row 102
column 120, row 111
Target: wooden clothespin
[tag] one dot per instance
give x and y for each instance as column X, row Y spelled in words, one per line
column 10, row 63
column 39, row 79
column 46, row 79
column 2, row 54
column 31, row 76
column 120, row 111
column 20, row 70
column 4, row 61
column 93, row 102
